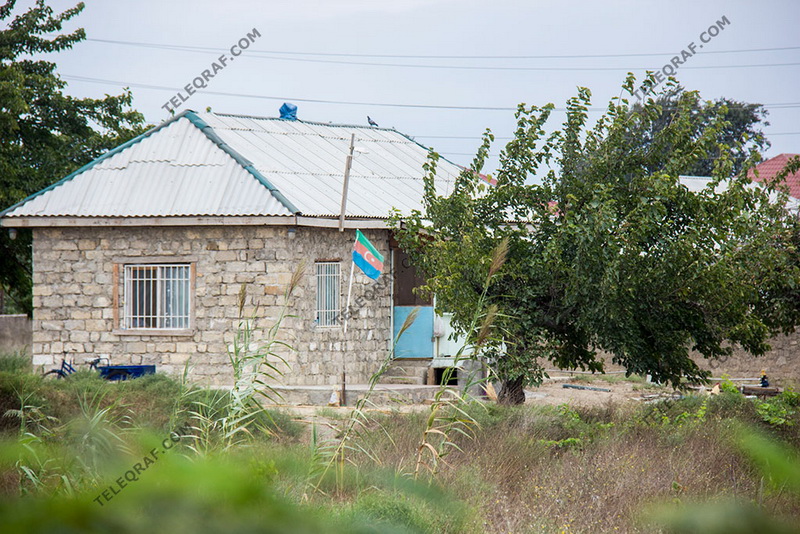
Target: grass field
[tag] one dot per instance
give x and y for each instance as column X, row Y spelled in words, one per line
column 700, row 464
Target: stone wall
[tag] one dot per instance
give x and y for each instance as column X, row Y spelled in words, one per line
column 77, row 298
column 782, row 363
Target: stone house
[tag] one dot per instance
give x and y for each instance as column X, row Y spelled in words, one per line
column 140, row 255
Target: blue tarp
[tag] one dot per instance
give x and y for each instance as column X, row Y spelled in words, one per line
column 288, row 111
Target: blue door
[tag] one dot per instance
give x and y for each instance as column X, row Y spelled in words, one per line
column 417, row 340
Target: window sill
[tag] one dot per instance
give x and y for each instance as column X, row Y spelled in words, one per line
column 162, row 332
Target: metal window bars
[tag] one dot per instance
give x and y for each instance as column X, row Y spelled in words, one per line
column 156, row 296
column 328, row 291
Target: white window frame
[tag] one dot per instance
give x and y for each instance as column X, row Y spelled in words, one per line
column 328, row 278
column 168, row 280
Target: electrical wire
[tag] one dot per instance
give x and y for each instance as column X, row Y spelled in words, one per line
column 498, row 138
column 188, row 48
column 452, row 67
column 780, row 105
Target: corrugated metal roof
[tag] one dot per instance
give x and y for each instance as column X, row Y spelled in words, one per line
column 216, row 165
column 176, row 171
column 306, row 160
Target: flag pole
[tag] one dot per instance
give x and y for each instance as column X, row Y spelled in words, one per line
column 349, row 288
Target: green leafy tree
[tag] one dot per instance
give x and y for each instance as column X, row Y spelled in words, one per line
column 45, row 134
column 740, row 134
column 608, row 258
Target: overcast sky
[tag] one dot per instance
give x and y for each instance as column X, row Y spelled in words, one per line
column 320, row 29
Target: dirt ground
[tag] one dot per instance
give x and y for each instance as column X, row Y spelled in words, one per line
column 328, row 419
column 553, row 392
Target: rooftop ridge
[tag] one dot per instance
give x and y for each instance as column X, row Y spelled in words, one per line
column 315, row 123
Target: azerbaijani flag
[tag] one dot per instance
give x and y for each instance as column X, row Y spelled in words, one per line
column 367, row 257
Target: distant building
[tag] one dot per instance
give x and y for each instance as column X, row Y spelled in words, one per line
column 766, row 171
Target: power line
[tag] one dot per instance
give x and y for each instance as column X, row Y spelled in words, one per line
column 527, row 69
column 452, row 67
column 471, row 137
column 781, row 105
column 309, row 100
column 498, row 138
column 188, row 48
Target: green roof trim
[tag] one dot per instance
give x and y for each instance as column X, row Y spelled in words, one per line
column 209, row 132
column 95, row 161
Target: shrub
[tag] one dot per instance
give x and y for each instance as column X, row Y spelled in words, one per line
column 726, row 386
column 392, row 509
column 781, row 409
column 209, row 495
column 17, row 362
column 728, row 405
column 155, row 384
column 14, row 388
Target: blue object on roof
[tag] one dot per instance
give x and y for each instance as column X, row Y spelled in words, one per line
column 288, row 111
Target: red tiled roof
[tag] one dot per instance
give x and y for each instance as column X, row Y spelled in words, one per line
column 768, row 169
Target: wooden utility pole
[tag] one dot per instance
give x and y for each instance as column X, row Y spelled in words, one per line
column 347, row 165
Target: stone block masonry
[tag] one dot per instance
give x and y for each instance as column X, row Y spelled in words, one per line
column 78, row 299
column 782, row 362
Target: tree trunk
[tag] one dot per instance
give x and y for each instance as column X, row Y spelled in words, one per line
column 512, row 392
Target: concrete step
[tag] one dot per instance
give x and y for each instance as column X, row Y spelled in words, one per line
column 412, row 380
column 407, row 372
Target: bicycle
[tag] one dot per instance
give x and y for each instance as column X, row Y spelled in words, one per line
column 114, row 373
column 67, row 368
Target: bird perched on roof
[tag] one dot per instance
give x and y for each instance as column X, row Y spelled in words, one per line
column 372, row 122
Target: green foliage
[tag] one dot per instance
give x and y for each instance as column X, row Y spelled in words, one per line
column 17, row 390
column 45, row 134
column 610, row 251
column 14, row 363
column 780, row 410
column 579, row 431
column 229, row 418
column 530, row 467
column 212, row 494
column 732, row 404
column 393, row 510
column 737, row 137
column 727, row 386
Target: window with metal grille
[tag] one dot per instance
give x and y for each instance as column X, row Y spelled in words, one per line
column 157, row 296
column 328, row 280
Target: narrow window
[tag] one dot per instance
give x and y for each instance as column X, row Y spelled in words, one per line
column 156, row 296
column 328, row 289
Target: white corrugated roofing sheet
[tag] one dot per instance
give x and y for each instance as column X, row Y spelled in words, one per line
column 306, row 161
column 178, row 170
